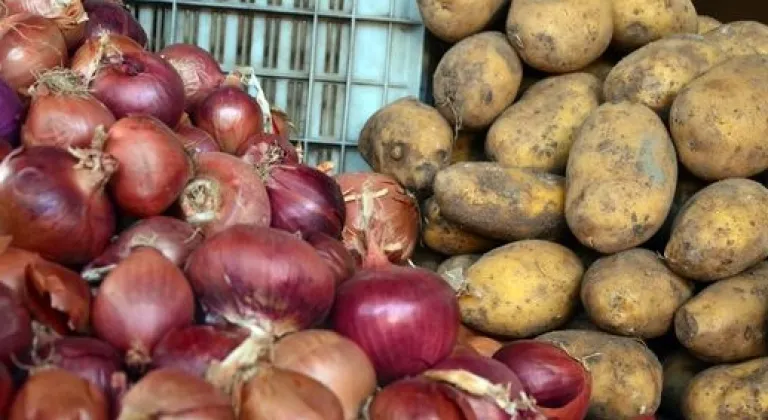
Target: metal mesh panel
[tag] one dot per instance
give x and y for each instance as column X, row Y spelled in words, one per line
column 329, row 63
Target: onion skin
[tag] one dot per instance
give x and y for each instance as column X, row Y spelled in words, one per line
column 224, row 192
column 11, row 113
column 395, row 223
column 57, row 297
column 414, row 398
column 405, row 319
column 154, row 167
column 198, row 69
column 29, row 44
column 58, row 394
column 172, row 394
column 276, row 393
column 174, row 238
column 13, row 266
column 140, row 83
column 15, row 330
column 281, row 124
column 196, row 140
column 69, row 16
column 63, row 119
column 560, row 384
column 262, row 279
column 146, row 280
column 87, row 59
column 231, row 116
column 332, row 360
column 335, row 255
column 110, row 17
column 305, row 200
column 258, row 149
column 192, row 349
column 53, row 206
column 6, row 390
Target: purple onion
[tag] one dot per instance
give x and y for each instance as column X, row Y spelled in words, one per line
column 109, row 17
column 335, row 255
column 192, row 349
column 11, row 113
column 15, row 328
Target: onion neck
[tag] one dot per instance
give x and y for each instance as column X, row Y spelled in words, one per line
column 93, row 169
column 201, row 201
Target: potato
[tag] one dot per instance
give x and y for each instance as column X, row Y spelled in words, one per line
column 639, row 22
column 621, row 177
column 501, row 203
column 626, row 376
column 719, row 121
column 740, row 38
column 522, row 289
column 679, row 369
column 448, row 238
column 537, row 132
column 726, row 321
column 707, row 23
column 633, row 293
column 729, row 392
column 468, row 147
column 454, row 270
column 720, row 232
column 687, row 187
column 476, row 80
column 407, row 140
column 654, row 74
column 454, row 20
column 559, row 36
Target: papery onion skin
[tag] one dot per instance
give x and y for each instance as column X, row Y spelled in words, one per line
column 13, row 266
column 276, row 393
column 192, row 349
column 261, row 147
column 281, row 123
column 29, row 44
column 140, row 83
column 109, row 17
column 69, row 16
column 405, row 319
column 11, row 113
column 16, row 327
column 261, row 278
column 149, row 281
column 335, row 255
column 173, row 394
column 175, row 238
column 395, row 221
column 87, row 59
column 334, row 361
column 224, row 192
column 57, row 297
column 63, row 118
column 196, row 140
column 231, row 116
column 6, row 390
column 490, row 369
column 414, row 398
column 58, row 394
column 52, row 206
column 154, row 167
column 305, row 200
column 559, row 384
column 198, row 69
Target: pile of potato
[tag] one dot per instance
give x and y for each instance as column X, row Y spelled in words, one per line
column 591, row 170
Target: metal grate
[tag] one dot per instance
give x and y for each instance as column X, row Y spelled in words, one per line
column 329, row 63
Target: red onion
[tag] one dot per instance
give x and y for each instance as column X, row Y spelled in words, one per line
column 13, row 266
column 559, row 384
column 172, row 394
column 6, row 390
column 304, row 200
column 29, row 44
column 154, row 167
column 198, row 69
column 89, row 57
column 195, row 140
column 335, row 255
column 174, row 238
column 414, row 398
column 58, row 394
column 57, row 297
column 393, row 215
column 140, row 83
column 11, row 112
column 142, row 299
column 63, row 113
column 231, row 116
column 53, row 203
column 109, row 17
column 69, row 15
column 224, row 192
column 5, row 148
column 15, row 330
column 194, row 348
column 263, row 147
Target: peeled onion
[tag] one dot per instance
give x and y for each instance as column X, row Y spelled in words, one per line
column 58, row 394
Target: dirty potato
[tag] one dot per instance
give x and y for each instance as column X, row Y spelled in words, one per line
column 745, row 37
column 621, row 177
column 476, row 80
column 639, row 22
column 448, row 238
column 454, row 20
column 728, row 392
column 626, row 375
column 500, row 202
column 720, row 232
column 522, row 289
column 537, row 131
column 707, row 23
column 468, row 147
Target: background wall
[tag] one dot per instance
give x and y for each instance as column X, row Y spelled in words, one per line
column 731, row 10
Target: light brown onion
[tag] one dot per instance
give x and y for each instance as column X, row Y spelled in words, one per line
column 334, row 361
column 58, row 394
